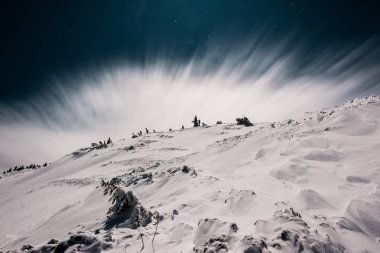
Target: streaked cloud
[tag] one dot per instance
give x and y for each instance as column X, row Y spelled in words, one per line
column 218, row 83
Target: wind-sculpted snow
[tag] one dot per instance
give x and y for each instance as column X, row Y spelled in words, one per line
column 83, row 242
column 307, row 184
column 289, row 233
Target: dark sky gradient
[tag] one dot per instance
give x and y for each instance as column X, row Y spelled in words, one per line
column 44, row 39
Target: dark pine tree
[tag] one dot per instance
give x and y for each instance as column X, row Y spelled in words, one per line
column 195, row 121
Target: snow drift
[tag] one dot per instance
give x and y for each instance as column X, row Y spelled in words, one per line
column 308, row 184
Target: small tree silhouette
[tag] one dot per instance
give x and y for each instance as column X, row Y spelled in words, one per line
column 195, row 121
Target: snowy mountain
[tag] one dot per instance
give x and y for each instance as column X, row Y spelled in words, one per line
column 309, row 184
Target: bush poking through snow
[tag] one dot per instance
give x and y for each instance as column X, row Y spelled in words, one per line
column 26, row 247
column 130, row 148
column 185, row 170
column 244, row 121
column 101, row 144
column 53, row 241
column 22, row 167
column 234, row 228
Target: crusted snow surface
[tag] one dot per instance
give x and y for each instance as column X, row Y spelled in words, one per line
column 308, row 184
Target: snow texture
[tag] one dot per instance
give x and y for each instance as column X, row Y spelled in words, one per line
column 307, row 184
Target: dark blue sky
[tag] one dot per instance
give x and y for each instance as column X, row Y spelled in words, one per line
column 44, row 39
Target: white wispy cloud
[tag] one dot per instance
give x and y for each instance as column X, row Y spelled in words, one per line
column 221, row 84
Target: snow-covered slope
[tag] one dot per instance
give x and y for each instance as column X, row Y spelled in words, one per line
column 311, row 184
